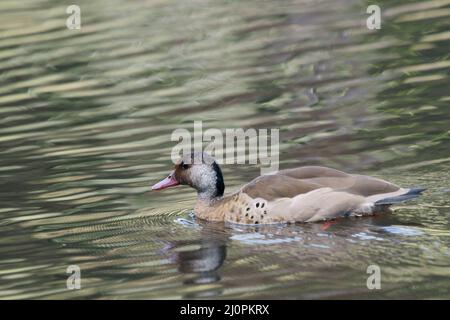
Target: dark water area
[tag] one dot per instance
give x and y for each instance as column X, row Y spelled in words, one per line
column 86, row 118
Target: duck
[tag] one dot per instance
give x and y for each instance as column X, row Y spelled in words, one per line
column 302, row 194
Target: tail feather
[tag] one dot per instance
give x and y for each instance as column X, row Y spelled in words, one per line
column 411, row 194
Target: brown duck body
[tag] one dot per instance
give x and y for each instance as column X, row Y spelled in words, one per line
column 305, row 194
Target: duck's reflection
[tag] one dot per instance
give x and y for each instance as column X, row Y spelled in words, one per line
column 205, row 262
column 205, row 256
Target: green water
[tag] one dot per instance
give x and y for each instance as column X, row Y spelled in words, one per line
column 86, row 118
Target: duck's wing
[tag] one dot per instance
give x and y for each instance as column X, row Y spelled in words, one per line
column 272, row 187
column 292, row 182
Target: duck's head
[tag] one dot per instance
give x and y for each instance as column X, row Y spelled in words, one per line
column 198, row 170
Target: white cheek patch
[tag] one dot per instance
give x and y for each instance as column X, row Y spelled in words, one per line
column 203, row 178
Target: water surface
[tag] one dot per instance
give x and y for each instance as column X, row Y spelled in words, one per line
column 86, row 118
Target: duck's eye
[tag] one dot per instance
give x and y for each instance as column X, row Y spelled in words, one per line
column 184, row 166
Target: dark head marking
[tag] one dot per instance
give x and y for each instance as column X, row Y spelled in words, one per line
column 220, row 185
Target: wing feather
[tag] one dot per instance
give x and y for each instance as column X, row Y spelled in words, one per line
column 292, row 182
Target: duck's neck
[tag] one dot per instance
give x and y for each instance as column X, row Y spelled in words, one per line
column 209, row 208
column 209, row 199
column 208, row 196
